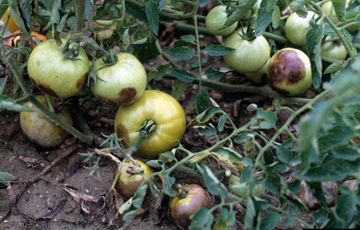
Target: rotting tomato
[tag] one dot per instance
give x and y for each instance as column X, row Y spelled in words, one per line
column 11, row 26
column 189, row 199
column 36, row 38
column 296, row 27
column 130, row 177
column 215, row 21
column 248, row 55
column 40, row 129
column 290, row 72
column 56, row 72
column 161, row 113
column 121, row 83
column 333, row 50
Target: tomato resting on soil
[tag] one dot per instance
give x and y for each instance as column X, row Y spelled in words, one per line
column 187, row 202
column 121, row 83
column 40, row 129
column 54, row 73
column 167, row 118
column 131, row 175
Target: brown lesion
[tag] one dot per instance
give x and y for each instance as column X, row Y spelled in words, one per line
column 126, row 96
column 44, row 88
column 123, row 134
column 80, row 83
column 287, row 67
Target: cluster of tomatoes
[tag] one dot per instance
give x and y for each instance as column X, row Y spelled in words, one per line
column 289, row 70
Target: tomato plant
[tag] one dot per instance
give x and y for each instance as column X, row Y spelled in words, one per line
column 248, row 55
column 39, row 129
column 50, row 69
column 163, row 128
column 120, row 83
column 215, row 21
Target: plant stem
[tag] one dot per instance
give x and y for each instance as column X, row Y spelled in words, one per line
column 198, row 50
column 80, row 11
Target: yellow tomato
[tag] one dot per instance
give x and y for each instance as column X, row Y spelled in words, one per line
column 11, row 23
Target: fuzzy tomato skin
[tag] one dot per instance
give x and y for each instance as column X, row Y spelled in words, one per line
column 215, row 21
column 11, row 26
column 333, row 50
column 167, row 114
column 290, row 72
column 296, row 28
column 40, row 129
column 53, row 74
column 36, row 37
column 248, row 56
column 121, row 83
column 128, row 182
column 183, row 208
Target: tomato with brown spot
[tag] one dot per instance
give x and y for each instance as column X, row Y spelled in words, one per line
column 187, row 202
column 290, row 72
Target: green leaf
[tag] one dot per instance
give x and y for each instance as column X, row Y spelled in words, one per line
column 338, row 135
column 221, row 123
column 330, row 170
column 202, row 219
column 145, row 49
column 207, row 115
column 250, row 214
column 345, row 153
column 136, row 203
column 346, row 209
column 239, row 11
column 202, row 101
column 2, row 84
column 265, row 16
column 178, row 88
column 136, row 11
column 5, row 179
column 264, row 119
column 217, row 50
column 271, row 220
column 168, row 183
column 313, row 48
column 339, row 7
column 213, row 74
column 152, row 15
column 181, row 75
column 10, row 104
column 180, row 53
column 226, row 219
column 214, row 186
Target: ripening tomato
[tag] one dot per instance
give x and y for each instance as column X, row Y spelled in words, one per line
column 168, row 119
column 11, row 26
column 296, row 27
column 36, row 38
column 54, row 73
column 290, row 72
column 187, row 202
column 121, row 83
column 248, row 55
column 215, row 21
column 40, row 129
column 130, row 177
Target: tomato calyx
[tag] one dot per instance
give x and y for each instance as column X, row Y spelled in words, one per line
column 247, row 34
column 181, row 191
column 71, row 50
column 148, row 127
column 110, row 58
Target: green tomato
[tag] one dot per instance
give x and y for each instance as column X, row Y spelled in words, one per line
column 53, row 73
column 296, row 28
column 333, row 50
column 185, row 204
column 121, row 83
column 248, row 56
column 40, row 129
column 164, row 111
column 260, row 75
column 290, row 72
column 215, row 21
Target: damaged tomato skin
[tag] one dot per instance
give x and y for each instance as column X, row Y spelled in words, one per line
column 289, row 72
column 40, row 129
column 51, row 71
column 164, row 110
column 121, row 83
column 129, row 180
column 183, row 207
